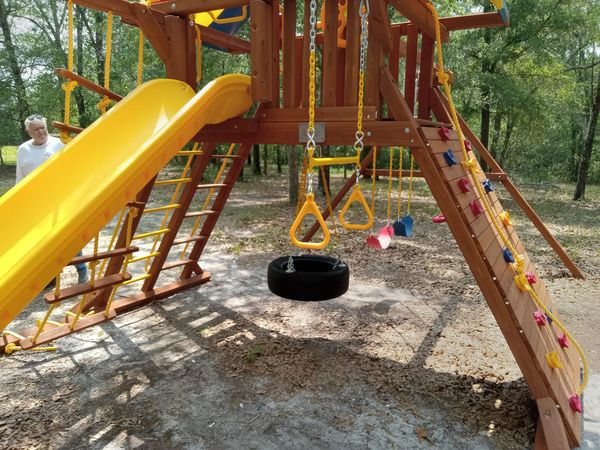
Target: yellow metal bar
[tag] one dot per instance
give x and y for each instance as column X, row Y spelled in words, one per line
column 162, row 208
column 136, row 279
column 190, row 152
column 143, row 257
column 173, row 181
column 151, row 233
column 316, row 162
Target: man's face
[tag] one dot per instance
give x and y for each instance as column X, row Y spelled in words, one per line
column 38, row 131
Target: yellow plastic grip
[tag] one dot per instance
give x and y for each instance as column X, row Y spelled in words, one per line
column 227, row 20
column 310, row 207
column 356, row 196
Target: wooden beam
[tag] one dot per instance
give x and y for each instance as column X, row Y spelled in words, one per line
column 276, row 28
column 483, row 20
column 120, row 8
column 184, row 7
column 225, row 41
column 419, row 15
column 336, row 133
column 154, row 32
column 410, row 74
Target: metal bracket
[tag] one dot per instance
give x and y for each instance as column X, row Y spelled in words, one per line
column 319, row 132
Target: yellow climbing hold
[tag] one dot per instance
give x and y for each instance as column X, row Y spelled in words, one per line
column 505, row 219
column 522, row 283
column 553, row 360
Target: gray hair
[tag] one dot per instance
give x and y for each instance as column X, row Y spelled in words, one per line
column 34, row 118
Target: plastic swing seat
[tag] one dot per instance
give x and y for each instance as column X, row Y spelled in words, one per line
column 404, row 227
column 312, row 278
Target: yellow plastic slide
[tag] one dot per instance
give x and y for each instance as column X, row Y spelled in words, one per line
column 55, row 211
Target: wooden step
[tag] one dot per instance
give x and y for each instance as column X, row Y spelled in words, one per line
column 80, row 289
column 177, row 263
column 103, row 255
column 84, row 82
column 207, row 212
column 211, row 186
column 186, row 239
column 67, row 128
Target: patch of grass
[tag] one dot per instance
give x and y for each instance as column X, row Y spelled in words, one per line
column 203, row 331
column 9, row 154
column 253, row 353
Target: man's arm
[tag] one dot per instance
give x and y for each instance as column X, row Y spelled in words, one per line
column 20, row 173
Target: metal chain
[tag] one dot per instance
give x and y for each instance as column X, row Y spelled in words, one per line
column 310, row 131
column 290, row 265
column 364, row 43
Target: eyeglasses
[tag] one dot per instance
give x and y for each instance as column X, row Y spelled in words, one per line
column 36, row 117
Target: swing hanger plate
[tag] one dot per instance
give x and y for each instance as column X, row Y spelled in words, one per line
column 319, row 132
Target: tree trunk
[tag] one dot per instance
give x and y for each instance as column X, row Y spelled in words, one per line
column 510, row 125
column 278, row 154
column 575, row 147
column 320, row 186
column 586, row 152
column 496, row 134
column 256, row 159
column 293, row 182
column 84, row 119
column 265, row 158
column 22, row 107
column 486, row 68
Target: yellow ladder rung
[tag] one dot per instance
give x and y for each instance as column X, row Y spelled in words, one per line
column 136, row 279
column 151, row 233
column 143, row 257
column 173, row 181
column 162, row 208
column 190, row 152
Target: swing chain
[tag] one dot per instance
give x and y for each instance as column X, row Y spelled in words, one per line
column 364, row 43
column 310, row 177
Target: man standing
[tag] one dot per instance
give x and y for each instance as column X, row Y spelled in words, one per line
column 32, row 154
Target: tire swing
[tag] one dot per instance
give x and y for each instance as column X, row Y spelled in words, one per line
column 316, row 277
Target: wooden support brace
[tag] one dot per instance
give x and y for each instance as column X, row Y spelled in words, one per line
column 152, row 30
column 551, row 434
column 418, row 14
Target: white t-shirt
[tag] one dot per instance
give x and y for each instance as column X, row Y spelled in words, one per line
column 30, row 156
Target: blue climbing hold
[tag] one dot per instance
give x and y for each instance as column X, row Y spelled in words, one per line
column 449, row 157
column 508, row 257
column 548, row 318
column 487, row 185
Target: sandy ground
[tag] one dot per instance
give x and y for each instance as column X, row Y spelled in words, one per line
column 409, row 357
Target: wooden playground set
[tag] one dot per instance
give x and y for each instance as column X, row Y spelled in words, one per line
column 352, row 78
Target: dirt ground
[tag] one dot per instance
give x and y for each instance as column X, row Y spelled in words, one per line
column 410, row 357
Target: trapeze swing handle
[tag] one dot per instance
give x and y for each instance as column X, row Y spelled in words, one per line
column 310, row 208
column 356, row 196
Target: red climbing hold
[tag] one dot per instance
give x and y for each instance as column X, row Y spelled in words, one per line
column 440, row 218
column 531, row 278
column 464, row 185
column 444, row 133
column 575, row 403
column 540, row 318
column 476, row 207
column 468, row 145
column 563, row 340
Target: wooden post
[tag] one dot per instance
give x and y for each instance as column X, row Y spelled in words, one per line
column 425, row 77
column 261, row 44
column 410, row 74
column 276, row 58
column 352, row 57
column 177, row 64
column 289, row 53
column 329, row 58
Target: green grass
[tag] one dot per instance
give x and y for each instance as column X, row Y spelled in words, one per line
column 9, row 154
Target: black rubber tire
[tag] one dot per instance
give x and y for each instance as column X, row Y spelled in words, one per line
column 316, row 278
